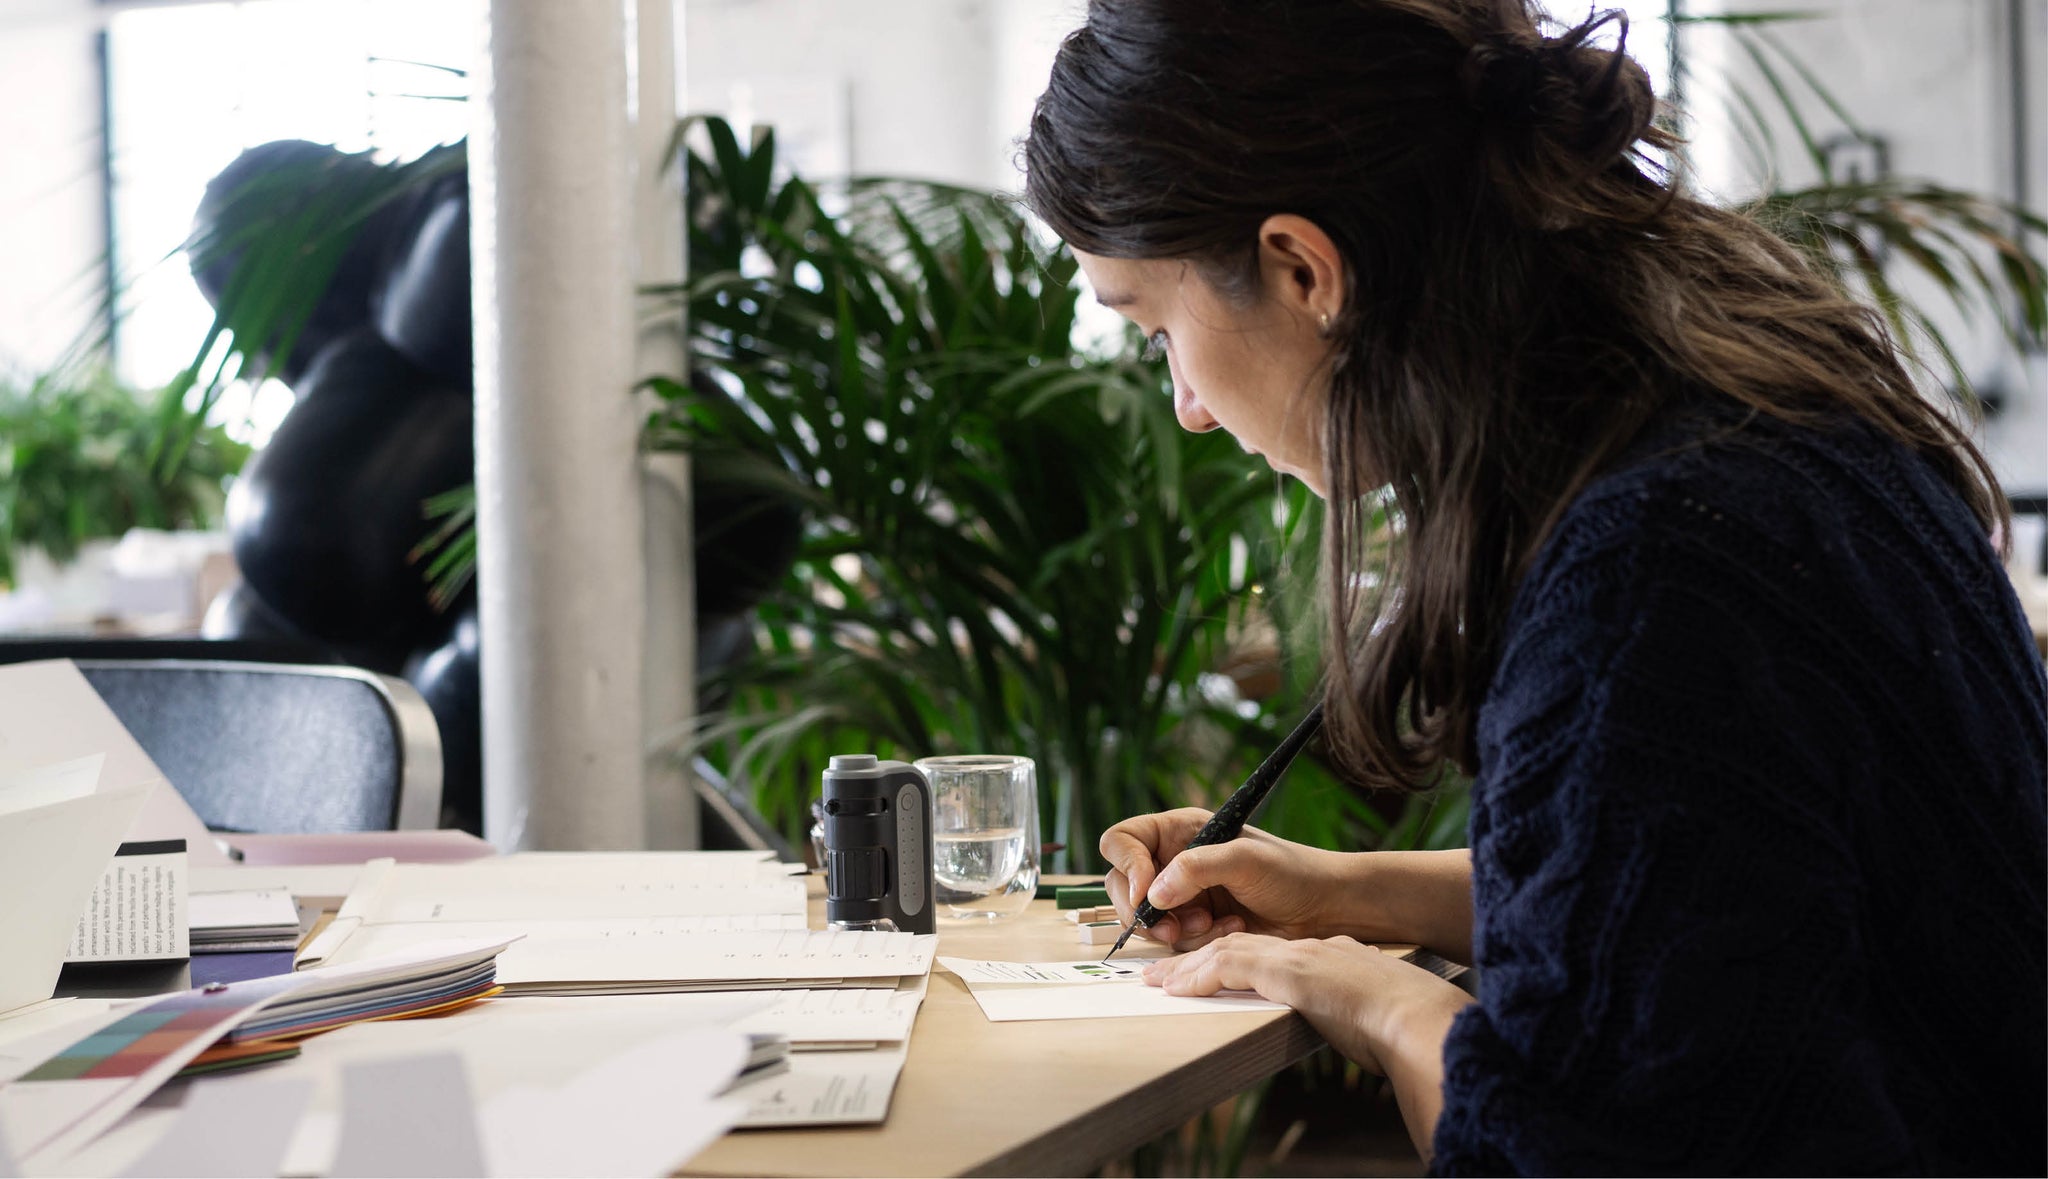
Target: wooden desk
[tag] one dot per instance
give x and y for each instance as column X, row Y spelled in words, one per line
column 1047, row 1097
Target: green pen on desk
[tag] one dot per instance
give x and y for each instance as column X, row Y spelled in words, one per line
column 1229, row 820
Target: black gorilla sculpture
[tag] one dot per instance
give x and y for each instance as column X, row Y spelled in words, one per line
column 325, row 518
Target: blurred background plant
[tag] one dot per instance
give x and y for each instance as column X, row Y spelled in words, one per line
column 1007, row 541
column 1902, row 243
column 83, row 457
column 1011, row 545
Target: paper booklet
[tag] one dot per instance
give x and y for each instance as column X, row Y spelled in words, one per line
column 603, row 923
column 86, row 1085
column 243, row 920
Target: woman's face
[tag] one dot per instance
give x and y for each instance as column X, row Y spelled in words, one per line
column 1260, row 371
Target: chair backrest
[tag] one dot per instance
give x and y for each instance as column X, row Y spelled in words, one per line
column 282, row 747
column 728, row 822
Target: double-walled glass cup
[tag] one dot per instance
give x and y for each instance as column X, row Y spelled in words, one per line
column 984, row 834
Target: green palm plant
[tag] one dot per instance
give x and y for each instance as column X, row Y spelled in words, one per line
column 68, row 472
column 1013, row 546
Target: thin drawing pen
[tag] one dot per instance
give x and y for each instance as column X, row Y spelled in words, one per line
column 1229, row 820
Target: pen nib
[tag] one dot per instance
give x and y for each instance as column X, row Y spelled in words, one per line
column 1128, row 931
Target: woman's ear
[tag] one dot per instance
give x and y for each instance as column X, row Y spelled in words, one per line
column 1302, row 268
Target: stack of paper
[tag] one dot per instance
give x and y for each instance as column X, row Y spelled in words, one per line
column 488, row 1092
column 673, row 928
column 87, row 1084
column 243, row 920
column 622, row 923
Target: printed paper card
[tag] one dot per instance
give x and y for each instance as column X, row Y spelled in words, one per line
column 1009, row 991
column 1039, row 973
column 138, row 910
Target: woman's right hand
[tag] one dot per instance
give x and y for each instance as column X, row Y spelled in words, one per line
column 1256, row 883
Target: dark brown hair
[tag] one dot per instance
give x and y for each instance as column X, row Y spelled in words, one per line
column 1527, row 287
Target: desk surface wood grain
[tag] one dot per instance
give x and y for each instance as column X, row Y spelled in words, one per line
column 1046, row 1097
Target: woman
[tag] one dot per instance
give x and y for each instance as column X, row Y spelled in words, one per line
column 1686, row 573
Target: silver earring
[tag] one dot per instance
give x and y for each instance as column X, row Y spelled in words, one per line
column 1323, row 323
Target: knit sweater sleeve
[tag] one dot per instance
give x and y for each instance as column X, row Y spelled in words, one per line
column 1665, row 900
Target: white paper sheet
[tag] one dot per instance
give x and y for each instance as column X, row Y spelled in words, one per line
column 1010, row 991
column 301, row 880
column 598, row 923
column 42, row 785
column 643, row 1111
column 410, row 1115
column 237, row 1126
column 813, row 1019
column 601, row 921
column 575, row 887
column 30, row 1035
column 137, row 912
column 976, row 973
column 716, row 961
column 826, row 1089
column 243, row 909
column 51, row 857
column 51, row 1119
column 504, row 1045
column 848, row 1087
column 49, row 713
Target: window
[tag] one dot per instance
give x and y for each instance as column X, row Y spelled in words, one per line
column 191, row 86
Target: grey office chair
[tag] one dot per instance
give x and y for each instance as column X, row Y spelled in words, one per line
column 282, row 747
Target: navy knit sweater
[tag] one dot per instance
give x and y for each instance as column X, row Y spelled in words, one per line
column 1757, row 837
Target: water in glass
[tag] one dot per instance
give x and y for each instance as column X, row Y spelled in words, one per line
column 984, row 834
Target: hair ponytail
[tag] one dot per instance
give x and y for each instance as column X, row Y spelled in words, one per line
column 1559, row 116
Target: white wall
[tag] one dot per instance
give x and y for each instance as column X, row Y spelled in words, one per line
column 902, row 88
column 51, row 241
column 1933, row 78
column 1028, row 35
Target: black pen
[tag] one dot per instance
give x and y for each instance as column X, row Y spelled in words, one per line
column 1229, row 820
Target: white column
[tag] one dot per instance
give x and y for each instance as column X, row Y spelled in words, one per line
column 671, row 673
column 561, row 570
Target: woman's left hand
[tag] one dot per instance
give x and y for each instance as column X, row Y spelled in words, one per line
column 1370, row 1007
